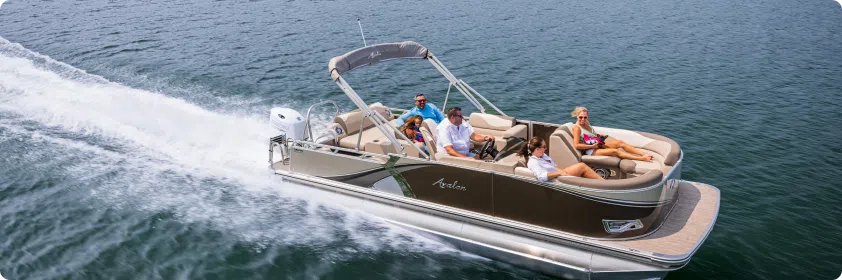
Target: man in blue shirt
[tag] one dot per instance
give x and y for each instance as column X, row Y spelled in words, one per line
column 422, row 109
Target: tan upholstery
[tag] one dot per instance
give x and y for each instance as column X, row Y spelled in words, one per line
column 606, row 161
column 648, row 179
column 379, row 146
column 407, row 147
column 671, row 154
column 489, row 121
column 525, row 172
column 428, row 130
column 368, row 135
column 514, row 158
column 661, row 148
column 349, row 124
column 469, row 162
column 641, row 167
column 668, row 150
column 337, row 128
column 500, row 166
column 498, row 127
column 382, row 110
column 561, row 149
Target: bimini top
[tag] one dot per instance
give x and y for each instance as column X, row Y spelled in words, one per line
column 373, row 54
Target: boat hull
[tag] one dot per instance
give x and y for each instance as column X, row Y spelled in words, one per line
column 577, row 210
column 544, row 250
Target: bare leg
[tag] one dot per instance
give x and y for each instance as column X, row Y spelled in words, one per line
column 583, row 170
column 625, row 146
column 627, row 155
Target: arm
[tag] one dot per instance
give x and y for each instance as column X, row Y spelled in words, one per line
column 540, row 173
column 577, row 142
column 402, row 119
column 437, row 112
column 479, row 137
column 453, row 152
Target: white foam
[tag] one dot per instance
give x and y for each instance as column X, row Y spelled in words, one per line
column 175, row 156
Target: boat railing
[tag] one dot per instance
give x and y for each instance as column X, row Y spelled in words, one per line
column 308, row 131
column 278, row 141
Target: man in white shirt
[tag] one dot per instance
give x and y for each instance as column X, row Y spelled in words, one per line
column 454, row 135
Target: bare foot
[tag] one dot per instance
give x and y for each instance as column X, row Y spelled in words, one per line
column 647, row 157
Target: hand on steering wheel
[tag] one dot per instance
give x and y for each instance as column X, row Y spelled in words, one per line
column 488, row 143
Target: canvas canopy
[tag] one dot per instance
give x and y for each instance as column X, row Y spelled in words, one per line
column 373, row 54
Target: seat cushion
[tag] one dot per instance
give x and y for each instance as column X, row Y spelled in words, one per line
column 489, row 121
column 525, row 172
column 368, row 135
column 640, row 167
column 350, row 122
column 469, row 162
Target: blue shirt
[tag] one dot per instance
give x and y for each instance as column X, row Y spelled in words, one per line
column 429, row 112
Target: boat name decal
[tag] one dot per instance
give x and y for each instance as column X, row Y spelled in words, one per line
column 374, row 54
column 453, row 185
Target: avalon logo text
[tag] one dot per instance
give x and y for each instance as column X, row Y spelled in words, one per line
column 453, row 185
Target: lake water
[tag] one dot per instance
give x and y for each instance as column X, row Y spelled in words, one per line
column 133, row 134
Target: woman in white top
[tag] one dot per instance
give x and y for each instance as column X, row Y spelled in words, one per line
column 545, row 168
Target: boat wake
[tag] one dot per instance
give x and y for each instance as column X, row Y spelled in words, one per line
column 143, row 150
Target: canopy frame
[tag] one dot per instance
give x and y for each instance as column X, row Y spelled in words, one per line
column 374, row 54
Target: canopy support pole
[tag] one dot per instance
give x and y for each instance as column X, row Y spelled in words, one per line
column 379, row 121
column 462, row 87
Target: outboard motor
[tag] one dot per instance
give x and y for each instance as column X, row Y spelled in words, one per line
column 287, row 125
column 288, row 122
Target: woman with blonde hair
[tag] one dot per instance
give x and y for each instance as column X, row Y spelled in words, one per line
column 545, row 169
column 589, row 142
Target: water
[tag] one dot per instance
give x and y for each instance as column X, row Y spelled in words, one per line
column 132, row 136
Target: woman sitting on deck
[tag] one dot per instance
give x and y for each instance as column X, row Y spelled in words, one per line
column 545, row 168
column 590, row 143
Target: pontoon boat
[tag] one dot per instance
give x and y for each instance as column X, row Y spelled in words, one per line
column 640, row 223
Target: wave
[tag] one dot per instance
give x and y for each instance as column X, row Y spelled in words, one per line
column 152, row 152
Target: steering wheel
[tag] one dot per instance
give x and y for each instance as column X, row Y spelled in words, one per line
column 484, row 151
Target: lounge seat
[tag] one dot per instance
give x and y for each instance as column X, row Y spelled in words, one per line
column 644, row 180
column 347, row 128
column 664, row 151
column 498, row 127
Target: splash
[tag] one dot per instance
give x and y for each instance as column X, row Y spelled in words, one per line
column 163, row 154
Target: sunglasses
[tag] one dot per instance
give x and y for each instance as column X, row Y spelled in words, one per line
column 583, row 118
column 421, row 100
column 460, row 116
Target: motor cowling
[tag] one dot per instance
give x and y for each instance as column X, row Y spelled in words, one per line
column 287, row 121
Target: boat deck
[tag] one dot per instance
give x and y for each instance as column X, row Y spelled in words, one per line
column 689, row 222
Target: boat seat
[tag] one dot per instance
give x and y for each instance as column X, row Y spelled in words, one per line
column 384, row 146
column 561, row 150
column 428, row 130
column 498, row 127
column 664, row 151
column 506, row 165
column 347, row 127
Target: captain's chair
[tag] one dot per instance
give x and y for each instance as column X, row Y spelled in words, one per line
column 428, row 129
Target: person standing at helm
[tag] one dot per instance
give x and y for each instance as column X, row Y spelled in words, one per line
column 426, row 111
column 454, row 135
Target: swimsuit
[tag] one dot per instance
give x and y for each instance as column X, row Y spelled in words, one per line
column 589, row 138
